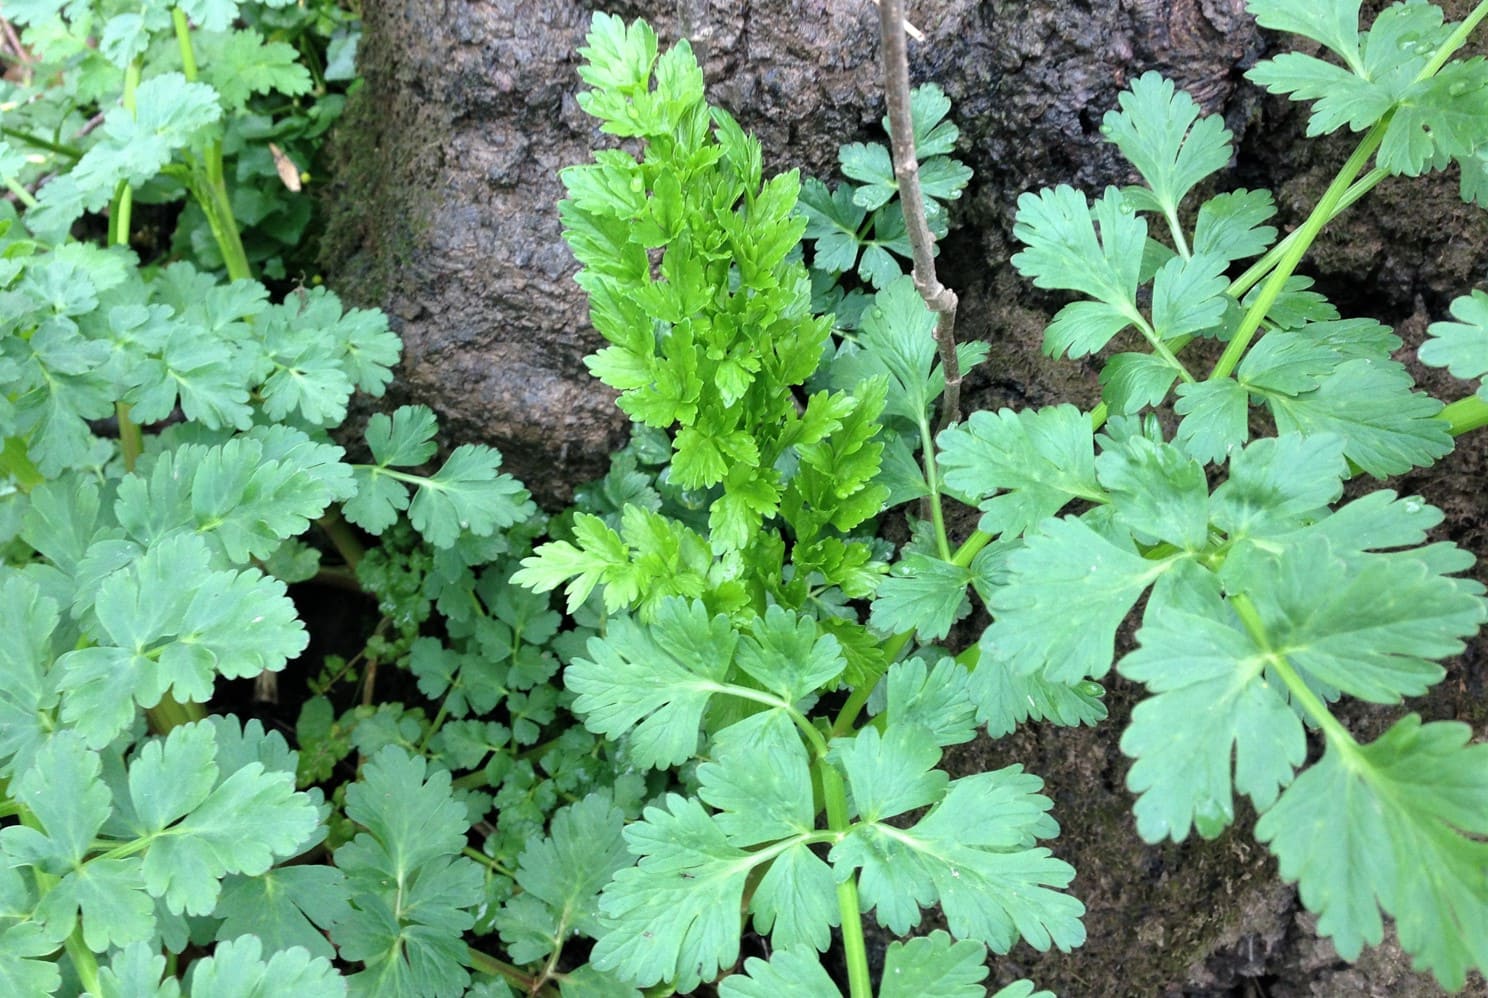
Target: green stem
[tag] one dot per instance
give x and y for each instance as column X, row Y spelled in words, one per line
column 932, row 479
column 1301, row 694
column 170, row 714
column 1327, row 206
column 131, row 440
column 123, row 201
column 183, row 41
column 71, row 152
column 1455, row 41
column 342, row 537
column 855, row 949
column 858, row 698
column 21, row 194
column 1465, row 414
column 487, row 964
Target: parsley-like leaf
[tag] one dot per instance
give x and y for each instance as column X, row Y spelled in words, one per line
column 1039, row 460
column 1396, row 825
column 1462, row 346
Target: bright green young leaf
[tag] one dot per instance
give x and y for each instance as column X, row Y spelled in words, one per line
column 466, row 495
column 1064, row 251
column 654, row 680
column 1396, row 825
column 238, row 969
column 1064, row 564
column 1039, row 460
column 1462, row 346
column 933, row 965
column 1160, row 131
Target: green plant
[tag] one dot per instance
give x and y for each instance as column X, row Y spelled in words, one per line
column 247, row 84
column 1267, row 598
column 767, row 685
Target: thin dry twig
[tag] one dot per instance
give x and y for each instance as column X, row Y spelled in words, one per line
column 941, row 299
column 909, row 29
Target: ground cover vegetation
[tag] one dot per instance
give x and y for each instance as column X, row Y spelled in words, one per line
column 731, row 727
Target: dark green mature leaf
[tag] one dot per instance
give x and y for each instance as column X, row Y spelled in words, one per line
column 135, row 145
column 787, row 655
column 789, row 973
column 1230, row 225
column 937, row 700
column 679, row 908
column 934, row 965
column 466, row 495
column 1387, row 428
column 1157, row 492
column 925, row 595
column 1280, row 483
column 973, row 852
column 1215, row 711
column 1367, row 625
column 244, row 497
column 654, row 681
column 135, row 972
column 286, row 906
column 1462, row 346
column 239, row 64
column 171, row 621
column 1005, row 699
column 833, row 220
column 1434, row 119
column 69, row 801
column 1133, row 381
column 28, row 694
column 1064, row 251
column 1172, row 147
column 237, row 969
column 1064, row 564
column 1039, row 459
column 201, row 828
column 412, row 893
column 1396, row 825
